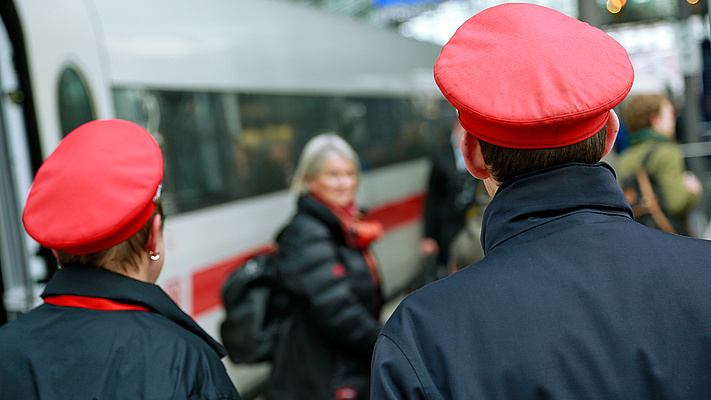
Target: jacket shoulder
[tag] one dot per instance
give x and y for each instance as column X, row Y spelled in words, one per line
column 633, row 157
column 303, row 228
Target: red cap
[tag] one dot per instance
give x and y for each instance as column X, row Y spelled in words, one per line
column 528, row 77
column 96, row 189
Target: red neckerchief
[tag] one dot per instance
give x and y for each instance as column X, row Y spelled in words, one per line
column 359, row 233
column 93, row 303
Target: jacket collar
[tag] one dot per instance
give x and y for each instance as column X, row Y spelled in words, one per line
column 536, row 198
column 83, row 280
column 647, row 134
column 309, row 205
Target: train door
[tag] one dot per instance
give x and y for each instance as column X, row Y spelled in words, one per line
column 17, row 282
column 47, row 72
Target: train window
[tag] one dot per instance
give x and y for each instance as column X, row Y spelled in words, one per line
column 75, row 104
column 197, row 142
column 221, row 147
column 382, row 130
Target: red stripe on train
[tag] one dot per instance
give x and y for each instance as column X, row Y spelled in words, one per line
column 207, row 282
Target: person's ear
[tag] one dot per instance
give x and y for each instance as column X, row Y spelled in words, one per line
column 309, row 184
column 155, row 230
column 613, row 127
column 471, row 150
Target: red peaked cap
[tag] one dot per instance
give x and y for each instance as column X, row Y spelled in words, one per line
column 528, row 77
column 96, row 189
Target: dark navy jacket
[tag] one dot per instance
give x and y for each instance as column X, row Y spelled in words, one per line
column 61, row 352
column 574, row 300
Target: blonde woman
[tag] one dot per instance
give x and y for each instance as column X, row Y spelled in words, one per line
column 325, row 263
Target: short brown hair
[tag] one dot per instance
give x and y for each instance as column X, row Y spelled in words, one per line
column 123, row 256
column 506, row 163
column 637, row 111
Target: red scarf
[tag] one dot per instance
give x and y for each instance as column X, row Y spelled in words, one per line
column 359, row 232
column 94, row 303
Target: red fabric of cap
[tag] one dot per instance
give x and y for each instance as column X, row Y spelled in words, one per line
column 525, row 76
column 96, row 189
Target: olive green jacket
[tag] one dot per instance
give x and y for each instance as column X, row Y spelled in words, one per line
column 665, row 166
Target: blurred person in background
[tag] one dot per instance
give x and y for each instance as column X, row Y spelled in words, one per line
column 105, row 330
column 651, row 120
column 466, row 247
column 574, row 299
column 450, row 195
column 325, row 264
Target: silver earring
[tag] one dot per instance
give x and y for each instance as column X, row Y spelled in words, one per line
column 154, row 257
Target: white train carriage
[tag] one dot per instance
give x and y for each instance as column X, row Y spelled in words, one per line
column 231, row 89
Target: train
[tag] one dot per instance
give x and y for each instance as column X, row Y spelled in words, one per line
column 231, row 90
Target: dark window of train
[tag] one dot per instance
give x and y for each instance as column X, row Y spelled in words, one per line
column 196, row 133
column 383, row 131
column 198, row 151
column 220, row 147
column 274, row 129
column 75, row 105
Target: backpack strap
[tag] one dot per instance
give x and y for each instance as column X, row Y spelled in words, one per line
column 650, row 202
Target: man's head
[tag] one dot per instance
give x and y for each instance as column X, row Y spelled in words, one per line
column 654, row 111
column 529, row 78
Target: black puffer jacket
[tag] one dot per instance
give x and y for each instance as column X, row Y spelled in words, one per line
column 325, row 347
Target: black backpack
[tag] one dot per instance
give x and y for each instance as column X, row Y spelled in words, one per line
column 255, row 306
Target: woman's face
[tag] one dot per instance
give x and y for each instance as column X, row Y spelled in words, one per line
column 336, row 181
